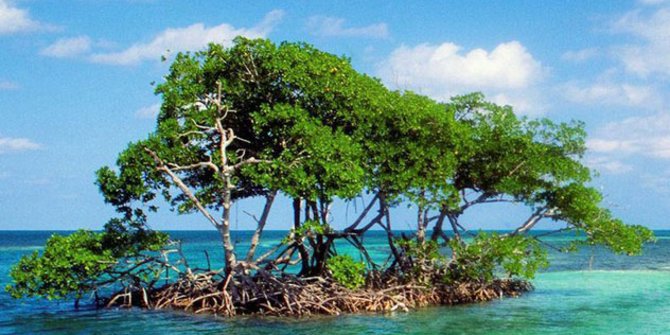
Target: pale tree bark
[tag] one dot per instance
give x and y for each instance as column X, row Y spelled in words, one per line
column 538, row 215
column 225, row 169
column 269, row 200
column 420, row 227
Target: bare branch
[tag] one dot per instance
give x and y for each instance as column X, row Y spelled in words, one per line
column 252, row 215
column 376, row 220
column 269, row 253
column 480, row 199
column 516, row 168
column 538, row 215
column 193, row 132
column 557, row 231
column 269, row 199
column 453, row 220
column 176, row 167
column 205, row 128
column 242, row 140
column 162, row 167
column 240, row 153
column 363, row 214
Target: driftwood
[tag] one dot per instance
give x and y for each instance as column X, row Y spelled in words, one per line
column 286, row 295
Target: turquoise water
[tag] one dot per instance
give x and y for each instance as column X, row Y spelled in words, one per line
column 589, row 292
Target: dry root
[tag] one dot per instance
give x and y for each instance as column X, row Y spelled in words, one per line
column 265, row 294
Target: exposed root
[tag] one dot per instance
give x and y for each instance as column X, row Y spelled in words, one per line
column 266, row 294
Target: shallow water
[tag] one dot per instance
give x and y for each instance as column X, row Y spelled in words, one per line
column 589, row 292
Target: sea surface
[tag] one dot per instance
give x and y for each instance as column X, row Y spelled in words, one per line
column 588, row 292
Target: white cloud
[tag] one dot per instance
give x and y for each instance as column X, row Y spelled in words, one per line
column 579, row 56
column 9, row 144
column 657, row 182
column 645, row 136
column 68, row 47
column 610, row 94
column 525, row 102
column 6, row 85
column 653, row 2
column 611, row 145
column 506, row 73
column 608, row 165
column 16, row 20
column 148, row 112
column 335, row 27
column 509, row 65
column 649, row 55
column 193, row 37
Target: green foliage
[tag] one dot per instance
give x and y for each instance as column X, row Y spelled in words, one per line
column 325, row 131
column 312, row 227
column 68, row 265
column 308, row 228
column 77, row 263
column 478, row 260
column 425, row 262
column 504, row 155
column 428, row 250
column 579, row 207
column 346, row 271
column 411, row 148
column 535, row 162
column 296, row 108
column 131, row 238
column 322, row 131
column 316, row 163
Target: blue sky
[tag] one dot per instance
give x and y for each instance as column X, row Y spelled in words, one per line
column 75, row 83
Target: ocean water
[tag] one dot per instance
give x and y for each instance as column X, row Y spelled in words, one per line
column 588, row 292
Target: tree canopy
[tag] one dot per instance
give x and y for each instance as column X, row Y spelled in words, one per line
column 259, row 119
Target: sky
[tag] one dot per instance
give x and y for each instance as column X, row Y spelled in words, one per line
column 75, row 84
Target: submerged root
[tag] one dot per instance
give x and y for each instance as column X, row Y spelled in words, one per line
column 286, row 295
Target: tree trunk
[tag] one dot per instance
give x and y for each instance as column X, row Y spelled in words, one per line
column 304, row 255
column 383, row 207
column 453, row 220
column 438, row 231
column 420, row 227
column 224, row 228
column 420, row 230
column 321, row 255
column 269, row 200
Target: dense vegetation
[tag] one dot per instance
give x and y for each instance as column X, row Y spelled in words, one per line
column 267, row 121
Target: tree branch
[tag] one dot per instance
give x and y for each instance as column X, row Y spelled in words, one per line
column 180, row 184
column 539, row 214
column 269, row 199
column 363, row 214
column 176, row 167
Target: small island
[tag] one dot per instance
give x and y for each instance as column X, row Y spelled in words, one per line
column 263, row 120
